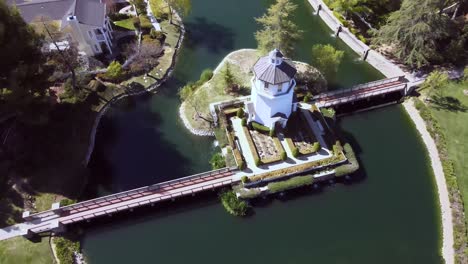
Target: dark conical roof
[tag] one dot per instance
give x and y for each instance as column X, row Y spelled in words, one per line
column 274, row 69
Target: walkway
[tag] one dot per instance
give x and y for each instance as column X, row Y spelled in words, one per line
column 252, row 169
column 55, row 219
column 151, row 17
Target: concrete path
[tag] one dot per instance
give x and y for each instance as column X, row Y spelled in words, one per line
column 151, row 17
column 444, row 200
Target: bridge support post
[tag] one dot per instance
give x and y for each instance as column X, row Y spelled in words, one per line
column 319, row 8
column 338, row 30
column 29, row 235
column 365, row 54
column 58, row 227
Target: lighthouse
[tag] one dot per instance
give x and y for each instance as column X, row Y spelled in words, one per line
column 272, row 98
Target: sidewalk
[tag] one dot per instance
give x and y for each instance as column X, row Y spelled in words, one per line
column 151, row 17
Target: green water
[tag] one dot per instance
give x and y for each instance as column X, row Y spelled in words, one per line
column 389, row 216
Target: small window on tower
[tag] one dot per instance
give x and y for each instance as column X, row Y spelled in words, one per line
column 280, row 88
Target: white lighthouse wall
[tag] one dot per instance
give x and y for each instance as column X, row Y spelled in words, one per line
column 273, row 89
column 267, row 104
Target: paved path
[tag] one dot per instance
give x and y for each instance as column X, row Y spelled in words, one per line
column 444, row 200
column 252, row 169
column 151, row 17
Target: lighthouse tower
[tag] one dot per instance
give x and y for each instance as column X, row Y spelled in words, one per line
column 272, row 99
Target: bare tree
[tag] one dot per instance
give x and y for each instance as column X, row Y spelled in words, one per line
column 146, row 57
column 66, row 59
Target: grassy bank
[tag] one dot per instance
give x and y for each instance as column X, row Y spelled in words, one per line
column 446, row 117
column 20, row 250
column 232, row 204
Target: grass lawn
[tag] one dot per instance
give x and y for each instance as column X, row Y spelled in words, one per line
column 126, row 23
column 213, row 90
column 452, row 114
column 20, row 250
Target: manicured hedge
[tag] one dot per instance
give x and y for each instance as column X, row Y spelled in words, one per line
column 239, row 160
column 260, row 128
column 351, row 167
column 292, row 183
column 252, row 147
column 292, row 147
column 301, row 168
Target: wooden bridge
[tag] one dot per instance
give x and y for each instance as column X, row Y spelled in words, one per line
column 362, row 91
column 57, row 218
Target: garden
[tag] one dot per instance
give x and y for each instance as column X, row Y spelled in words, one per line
column 300, row 136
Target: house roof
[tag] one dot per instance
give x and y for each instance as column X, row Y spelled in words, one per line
column 88, row 12
column 274, row 69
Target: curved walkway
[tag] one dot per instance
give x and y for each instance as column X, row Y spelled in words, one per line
column 390, row 69
column 444, row 200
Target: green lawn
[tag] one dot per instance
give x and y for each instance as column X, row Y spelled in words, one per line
column 20, row 250
column 126, row 23
column 451, row 111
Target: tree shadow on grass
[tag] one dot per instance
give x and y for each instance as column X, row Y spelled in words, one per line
column 448, row 103
column 204, row 33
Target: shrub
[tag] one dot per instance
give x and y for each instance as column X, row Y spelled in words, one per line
column 136, row 22
column 66, row 202
column 244, row 121
column 240, row 113
column 145, row 23
column 217, row 161
column 316, row 147
column 295, row 152
column 328, row 112
column 206, row 75
column 114, row 71
column 306, row 98
column 290, row 183
column 258, row 162
column 140, row 6
column 232, row 204
column 159, row 35
column 272, row 132
column 118, row 16
column 284, row 156
column 65, row 249
column 239, row 160
column 244, row 179
column 337, row 148
column 260, row 128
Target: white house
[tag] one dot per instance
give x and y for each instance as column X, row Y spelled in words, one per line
column 83, row 22
column 272, row 100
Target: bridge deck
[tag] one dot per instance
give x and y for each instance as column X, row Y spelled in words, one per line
column 360, row 92
column 51, row 219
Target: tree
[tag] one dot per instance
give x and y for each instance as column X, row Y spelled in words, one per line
column 217, row 161
column 419, row 32
column 311, row 80
column 146, row 57
column 114, row 71
column 327, row 59
column 346, row 7
column 65, row 59
column 22, row 66
column 229, row 80
column 278, row 31
column 435, row 82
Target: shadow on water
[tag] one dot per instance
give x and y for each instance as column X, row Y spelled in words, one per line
column 138, row 155
column 207, row 34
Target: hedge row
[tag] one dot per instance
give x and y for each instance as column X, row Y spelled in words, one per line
column 260, row 128
column 252, row 147
column 238, row 156
column 333, row 160
column 292, row 147
column 351, row 167
column 292, row 183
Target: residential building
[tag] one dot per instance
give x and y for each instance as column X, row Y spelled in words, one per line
column 82, row 22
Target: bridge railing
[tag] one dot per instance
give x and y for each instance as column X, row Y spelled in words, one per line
column 73, row 219
column 361, row 96
column 359, row 87
column 128, row 193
